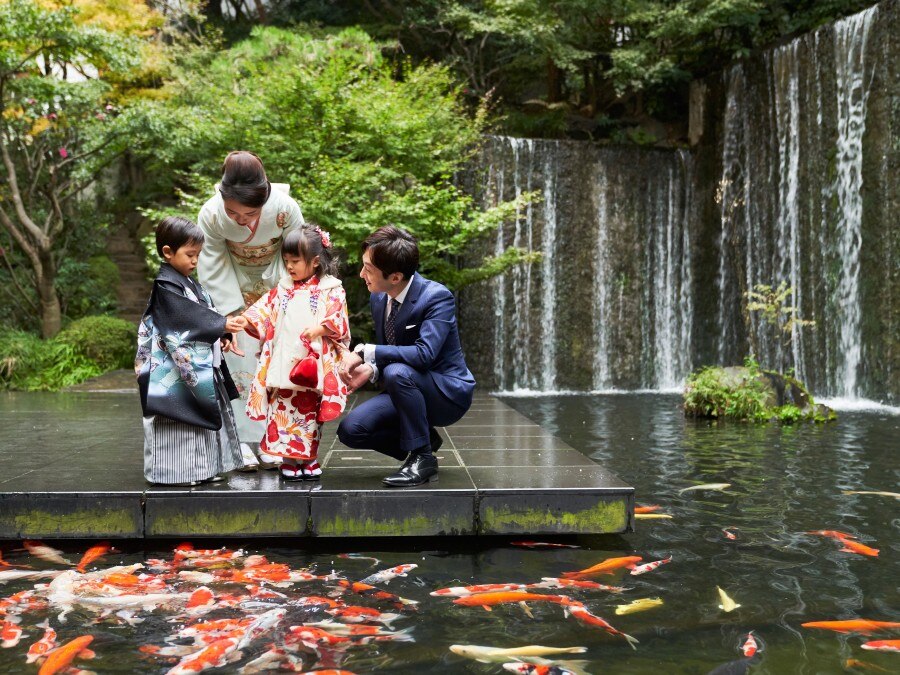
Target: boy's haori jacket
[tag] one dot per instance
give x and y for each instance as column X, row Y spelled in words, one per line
column 177, row 352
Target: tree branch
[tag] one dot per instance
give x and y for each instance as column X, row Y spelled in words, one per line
column 27, row 222
column 29, row 250
column 21, row 291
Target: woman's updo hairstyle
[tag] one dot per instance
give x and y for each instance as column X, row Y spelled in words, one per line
column 244, row 179
column 309, row 241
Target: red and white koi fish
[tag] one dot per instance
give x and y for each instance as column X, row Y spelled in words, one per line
column 169, row 650
column 214, row 655
column 44, row 552
column 554, row 582
column 581, row 613
column 833, row 534
column 750, row 647
column 536, row 669
column 10, row 634
column 40, row 648
column 363, row 631
column 92, row 554
column 385, row 576
column 313, row 636
column 261, row 624
column 16, row 603
column 465, row 591
column 355, row 614
column 882, row 645
column 60, row 658
column 541, row 544
column 650, row 566
column 216, row 626
column 608, row 566
column 200, row 599
column 731, row 536
column 373, row 592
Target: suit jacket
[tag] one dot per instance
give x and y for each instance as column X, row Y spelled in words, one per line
column 427, row 338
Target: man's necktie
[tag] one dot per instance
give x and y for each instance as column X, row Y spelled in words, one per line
column 389, row 333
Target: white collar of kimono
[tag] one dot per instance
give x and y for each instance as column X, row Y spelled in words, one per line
column 326, row 283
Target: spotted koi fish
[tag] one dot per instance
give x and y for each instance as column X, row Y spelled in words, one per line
column 385, row 576
column 650, row 566
column 750, row 647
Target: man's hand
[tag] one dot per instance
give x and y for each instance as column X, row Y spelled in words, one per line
column 357, row 376
column 349, row 361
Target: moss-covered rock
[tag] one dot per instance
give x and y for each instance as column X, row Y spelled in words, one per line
column 747, row 393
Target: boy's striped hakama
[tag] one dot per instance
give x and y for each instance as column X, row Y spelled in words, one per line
column 175, row 452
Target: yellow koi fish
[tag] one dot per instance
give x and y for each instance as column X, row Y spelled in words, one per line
column 652, row 516
column 639, row 605
column 728, row 605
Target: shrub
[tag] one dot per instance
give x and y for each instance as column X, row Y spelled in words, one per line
column 30, row 363
column 107, row 341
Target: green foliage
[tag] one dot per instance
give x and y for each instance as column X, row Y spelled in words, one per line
column 88, row 287
column 363, row 141
column 29, row 363
column 107, row 341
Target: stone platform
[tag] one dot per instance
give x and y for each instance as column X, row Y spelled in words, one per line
column 71, row 467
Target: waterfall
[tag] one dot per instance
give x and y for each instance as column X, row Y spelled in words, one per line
column 851, row 37
column 602, row 375
column 548, row 262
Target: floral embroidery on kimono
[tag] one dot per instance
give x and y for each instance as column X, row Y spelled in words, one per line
column 294, row 414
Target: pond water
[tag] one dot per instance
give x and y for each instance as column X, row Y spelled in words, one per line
column 785, row 481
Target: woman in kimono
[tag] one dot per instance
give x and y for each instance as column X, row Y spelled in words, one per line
column 244, row 224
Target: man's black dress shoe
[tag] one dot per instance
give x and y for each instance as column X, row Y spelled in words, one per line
column 417, row 469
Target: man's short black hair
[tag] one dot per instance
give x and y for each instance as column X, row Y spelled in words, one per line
column 393, row 250
column 175, row 232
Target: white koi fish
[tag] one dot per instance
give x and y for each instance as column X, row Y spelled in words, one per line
column 879, row 493
column 499, row 654
column 706, row 486
column 44, row 552
column 262, row 624
column 16, row 575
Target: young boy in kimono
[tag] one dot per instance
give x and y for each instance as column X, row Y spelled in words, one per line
column 304, row 331
column 189, row 428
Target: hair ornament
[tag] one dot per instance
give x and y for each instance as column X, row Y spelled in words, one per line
column 326, row 238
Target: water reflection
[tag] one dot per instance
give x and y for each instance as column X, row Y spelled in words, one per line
column 785, row 481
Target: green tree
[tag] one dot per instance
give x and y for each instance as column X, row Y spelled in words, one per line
column 57, row 130
column 362, row 141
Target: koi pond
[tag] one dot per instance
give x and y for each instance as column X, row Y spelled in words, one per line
column 251, row 606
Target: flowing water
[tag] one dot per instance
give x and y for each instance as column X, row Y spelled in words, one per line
column 784, row 481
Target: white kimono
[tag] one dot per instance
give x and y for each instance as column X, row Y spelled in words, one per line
column 237, row 266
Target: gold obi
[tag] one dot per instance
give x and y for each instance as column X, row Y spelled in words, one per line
column 255, row 256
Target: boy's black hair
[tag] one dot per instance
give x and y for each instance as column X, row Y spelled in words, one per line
column 244, row 179
column 175, row 232
column 306, row 242
column 393, row 250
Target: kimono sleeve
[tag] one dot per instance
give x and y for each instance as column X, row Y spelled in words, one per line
column 259, row 316
column 336, row 319
column 215, row 268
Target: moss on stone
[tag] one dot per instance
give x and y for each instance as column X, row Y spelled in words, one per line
column 601, row 518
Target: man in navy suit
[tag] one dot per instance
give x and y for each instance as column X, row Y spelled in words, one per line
column 417, row 357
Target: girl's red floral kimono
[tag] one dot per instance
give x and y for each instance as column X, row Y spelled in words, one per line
column 293, row 413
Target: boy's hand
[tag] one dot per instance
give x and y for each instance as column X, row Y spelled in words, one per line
column 231, row 346
column 235, row 324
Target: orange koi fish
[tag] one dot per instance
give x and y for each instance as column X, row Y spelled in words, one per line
column 202, row 597
column 882, row 645
column 536, row 669
column 92, row 554
column 541, row 544
column 10, row 634
column 39, row 550
column 312, row 636
column 59, row 659
column 580, row 612
column 214, row 655
column 750, row 647
column 608, row 566
column 834, row 534
column 647, row 509
column 864, row 626
column 555, row 582
column 650, row 566
column 42, row 646
column 465, row 591
column 317, row 601
column 729, row 534
column 851, row 546
column 487, row 600
column 864, row 665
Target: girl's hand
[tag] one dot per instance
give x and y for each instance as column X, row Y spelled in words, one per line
column 313, row 333
column 235, row 324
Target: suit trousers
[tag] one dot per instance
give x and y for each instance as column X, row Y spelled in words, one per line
column 398, row 421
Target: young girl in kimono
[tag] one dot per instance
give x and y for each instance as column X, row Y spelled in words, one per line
column 189, row 428
column 303, row 329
